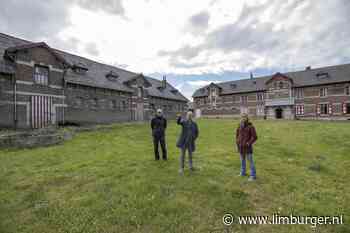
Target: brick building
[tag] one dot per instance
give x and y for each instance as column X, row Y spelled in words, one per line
column 322, row 93
column 41, row 86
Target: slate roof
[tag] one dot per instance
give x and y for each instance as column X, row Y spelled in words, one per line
column 96, row 74
column 336, row 74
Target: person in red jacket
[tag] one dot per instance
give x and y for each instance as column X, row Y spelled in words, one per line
column 245, row 138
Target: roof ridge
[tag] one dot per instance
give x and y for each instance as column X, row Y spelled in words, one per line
column 68, row 53
column 285, row 73
column 16, row 38
column 94, row 61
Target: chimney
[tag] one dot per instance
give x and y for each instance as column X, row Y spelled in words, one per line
column 164, row 82
column 251, row 75
column 308, row 68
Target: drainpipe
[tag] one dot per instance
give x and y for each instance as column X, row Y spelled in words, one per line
column 15, row 118
column 63, row 92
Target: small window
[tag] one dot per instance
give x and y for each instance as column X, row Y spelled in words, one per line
column 94, row 103
column 323, row 92
column 260, row 96
column 41, row 75
column 244, row 99
column 299, row 93
column 324, row 108
column 114, row 104
column 347, row 90
column 124, row 105
column 280, row 85
column 139, row 92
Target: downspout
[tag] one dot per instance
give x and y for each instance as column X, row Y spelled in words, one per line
column 63, row 92
column 14, row 78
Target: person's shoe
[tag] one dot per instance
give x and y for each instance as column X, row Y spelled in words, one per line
column 252, row 178
column 240, row 175
column 165, row 159
column 192, row 169
column 156, row 159
column 181, row 171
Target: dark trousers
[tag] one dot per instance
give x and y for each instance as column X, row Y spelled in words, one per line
column 156, row 142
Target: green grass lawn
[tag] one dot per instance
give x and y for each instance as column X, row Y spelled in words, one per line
column 108, row 182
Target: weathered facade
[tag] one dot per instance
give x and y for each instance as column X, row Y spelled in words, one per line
column 322, row 93
column 41, row 86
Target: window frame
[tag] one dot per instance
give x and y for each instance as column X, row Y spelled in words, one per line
column 323, row 92
column 244, row 99
column 347, row 90
column 321, row 109
column 261, row 94
column 299, row 93
column 35, row 75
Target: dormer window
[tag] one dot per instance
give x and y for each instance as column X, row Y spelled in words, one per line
column 174, row 91
column 233, row 86
column 322, row 75
column 112, row 76
column 80, row 68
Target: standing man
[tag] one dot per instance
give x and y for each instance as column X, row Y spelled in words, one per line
column 158, row 125
column 245, row 138
column 187, row 139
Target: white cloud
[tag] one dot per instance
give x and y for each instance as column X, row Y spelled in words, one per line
column 189, row 37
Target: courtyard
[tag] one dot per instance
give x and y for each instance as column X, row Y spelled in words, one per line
column 108, row 182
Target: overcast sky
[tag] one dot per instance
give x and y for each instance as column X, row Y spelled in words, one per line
column 192, row 42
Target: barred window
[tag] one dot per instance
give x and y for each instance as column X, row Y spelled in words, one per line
column 299, row 109
column 41, row 75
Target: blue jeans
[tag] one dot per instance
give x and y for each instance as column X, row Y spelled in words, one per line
column 251, row 163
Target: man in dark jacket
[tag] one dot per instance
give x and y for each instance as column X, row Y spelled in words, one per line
column 245, row 138
column 158, row 125
column 187, row 139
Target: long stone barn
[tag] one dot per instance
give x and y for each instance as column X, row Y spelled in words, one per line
column 321, row 93
column 41, row 86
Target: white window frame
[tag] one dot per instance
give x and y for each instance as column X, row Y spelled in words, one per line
column 261, row 95
column 323, row 92
column 40, row 78
column 244, row 97
column 299, row 93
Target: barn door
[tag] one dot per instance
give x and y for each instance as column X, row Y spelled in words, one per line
column 42, row 111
